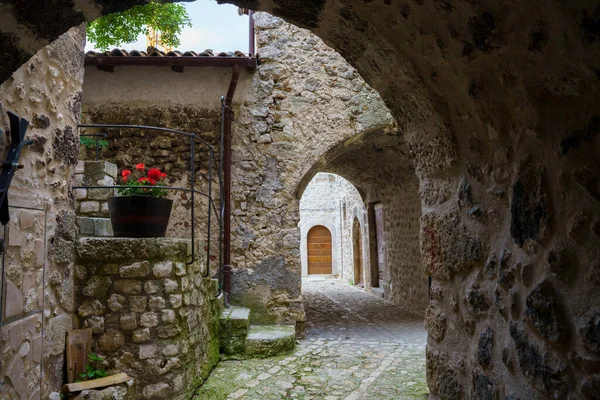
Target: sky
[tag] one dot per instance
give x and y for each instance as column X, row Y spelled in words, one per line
column 214, row 26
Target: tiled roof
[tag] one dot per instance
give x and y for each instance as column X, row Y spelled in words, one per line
column 177, row 60
column 154, row 52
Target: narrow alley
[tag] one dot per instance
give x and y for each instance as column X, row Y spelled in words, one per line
column 357, row 346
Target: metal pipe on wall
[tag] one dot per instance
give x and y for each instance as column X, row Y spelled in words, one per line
column 227, row 183
column 252, row 45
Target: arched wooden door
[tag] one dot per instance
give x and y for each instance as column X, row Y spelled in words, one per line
column 319, row 250
column 357, row 251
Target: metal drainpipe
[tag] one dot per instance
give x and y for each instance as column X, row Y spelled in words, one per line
column 227, row 184
column 252, row 45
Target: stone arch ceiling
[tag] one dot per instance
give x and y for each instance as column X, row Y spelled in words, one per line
column 499, row 105
column 372, row 159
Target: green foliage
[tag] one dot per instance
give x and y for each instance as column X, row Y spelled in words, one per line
column 138, row 177
column 92, row 371
column 90, row 142
column 132, row 189
column 115, row 29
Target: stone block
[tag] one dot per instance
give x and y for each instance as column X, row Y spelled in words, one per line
column 128, row 322
column 157, row 391
column 14, row 300
column 156, row 303
column 91, row 307
column 80, row 168
column 162, row 269
column 148, row 351
column 111, row 340
column 104, row 210
column 149, row 320
column 233, row 345
column 152, row 287
column 435, row 323
column 140, row 335
column 95, row 323
column 86, row 226
column 97, row 286
column 168, row 331
column 15, row 373
column 103, row 227
column 40, row 253
column 137, row 303
column 268, row 341
column 80, row 194
column 128, row 286
column 99, row 194
column 179, row 269
column 94, row 170
column 543, row 313
column 135, row 270
column 87, row 207
column 170, row 350
column 171, row 286
column 176, row 300
column 26, row 219
column 234, row 321
column 168, row 316
column 116, row 302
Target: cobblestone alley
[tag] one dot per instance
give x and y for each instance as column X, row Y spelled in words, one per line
column 357, row 346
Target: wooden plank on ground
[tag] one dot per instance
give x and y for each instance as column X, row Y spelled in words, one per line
column 79, row 346
column 95, row 383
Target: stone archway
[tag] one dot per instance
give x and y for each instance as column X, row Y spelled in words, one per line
column 498, row 103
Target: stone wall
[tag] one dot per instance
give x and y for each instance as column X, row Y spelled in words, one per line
column 152, row 315
column 304, row 100
column 46, row 91
column 404, row 281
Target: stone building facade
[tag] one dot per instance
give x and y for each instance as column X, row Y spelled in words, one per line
column 496, row 105
column 38, row 283
column 331, row 201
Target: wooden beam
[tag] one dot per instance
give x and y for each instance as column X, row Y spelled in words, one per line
column 95, row 383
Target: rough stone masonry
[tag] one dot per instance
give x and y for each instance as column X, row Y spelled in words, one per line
column 498, row 104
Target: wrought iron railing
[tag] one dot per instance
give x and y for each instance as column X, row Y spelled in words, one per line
column 212, row 208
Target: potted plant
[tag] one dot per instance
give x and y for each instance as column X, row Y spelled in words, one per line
column 140, row 211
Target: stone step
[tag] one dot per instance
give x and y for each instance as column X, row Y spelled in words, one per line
column 234, row 323
column 270, row 340
column 94, row 227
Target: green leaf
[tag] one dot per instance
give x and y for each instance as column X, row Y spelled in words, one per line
column 124, row 27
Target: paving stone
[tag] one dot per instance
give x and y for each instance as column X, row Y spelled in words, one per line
column 357, row 346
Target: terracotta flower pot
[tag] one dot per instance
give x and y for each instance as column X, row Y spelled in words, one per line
column 139, row 216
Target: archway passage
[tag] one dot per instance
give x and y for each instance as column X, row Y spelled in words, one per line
column 319, row 251
column 357, row 252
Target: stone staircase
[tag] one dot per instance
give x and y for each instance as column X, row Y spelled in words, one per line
column 92, row 205
column 239, row 339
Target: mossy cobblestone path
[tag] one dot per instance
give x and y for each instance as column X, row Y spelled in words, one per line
column 357, row 346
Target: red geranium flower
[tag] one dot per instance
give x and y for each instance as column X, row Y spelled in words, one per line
column 143, row 179
column 126, row 173
column 154, row 173
column 151, row 181
column 163, row 175
column 140, row 167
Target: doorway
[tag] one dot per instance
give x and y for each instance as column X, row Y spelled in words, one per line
column 357, row 251
column 319, row 251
